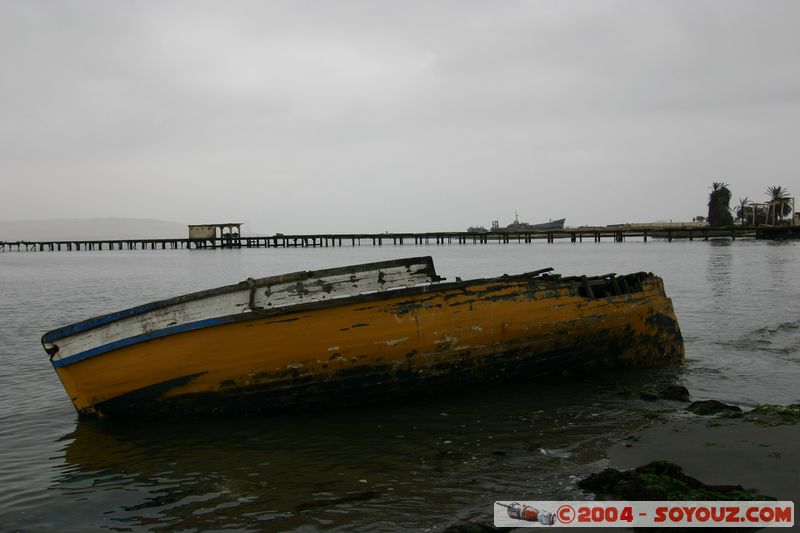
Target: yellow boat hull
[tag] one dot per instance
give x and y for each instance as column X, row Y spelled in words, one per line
column 379, row 345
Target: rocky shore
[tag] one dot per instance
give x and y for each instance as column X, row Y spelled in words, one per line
column 701, row 450
column 756, row 449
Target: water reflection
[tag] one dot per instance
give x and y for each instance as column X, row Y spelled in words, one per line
column 718, row 270
column 743, row 341
column 780, row 264
column 426, row 463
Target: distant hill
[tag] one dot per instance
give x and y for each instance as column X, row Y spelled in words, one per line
column 90, row 229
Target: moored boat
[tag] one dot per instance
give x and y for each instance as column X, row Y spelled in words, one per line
column 518, row 226
column 356, row 334
column 524, row 226
column 553, row 224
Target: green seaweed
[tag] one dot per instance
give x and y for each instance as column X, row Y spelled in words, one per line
column 775, row 415
column 662, row 480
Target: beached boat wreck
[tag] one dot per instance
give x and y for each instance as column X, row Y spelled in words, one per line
column 357, row 334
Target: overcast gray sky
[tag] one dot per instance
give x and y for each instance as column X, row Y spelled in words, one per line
column 304, row 116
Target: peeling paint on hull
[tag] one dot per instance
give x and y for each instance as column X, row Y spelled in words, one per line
column 373, row 346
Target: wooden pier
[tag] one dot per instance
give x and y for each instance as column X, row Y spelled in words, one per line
column 575, row 235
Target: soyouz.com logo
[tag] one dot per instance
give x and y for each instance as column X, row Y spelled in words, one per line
column 643, row 514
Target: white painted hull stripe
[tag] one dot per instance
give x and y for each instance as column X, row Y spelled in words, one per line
column 99, row 350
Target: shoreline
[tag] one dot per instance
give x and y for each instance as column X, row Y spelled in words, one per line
column 720, row 451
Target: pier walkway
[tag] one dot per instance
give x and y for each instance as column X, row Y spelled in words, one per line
column 575, row 235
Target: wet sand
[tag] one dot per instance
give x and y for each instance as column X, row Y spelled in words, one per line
column 720, row 451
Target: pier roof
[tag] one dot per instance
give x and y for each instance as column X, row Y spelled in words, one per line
column 217, row 224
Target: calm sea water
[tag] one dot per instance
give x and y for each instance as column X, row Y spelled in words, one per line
column 423, row 464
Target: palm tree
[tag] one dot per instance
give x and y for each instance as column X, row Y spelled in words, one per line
column 741, row 213
column 719, row 210
column 779, row 198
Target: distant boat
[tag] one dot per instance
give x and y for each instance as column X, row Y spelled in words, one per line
column 519, row 226
column 356, row 334
column 522, row 226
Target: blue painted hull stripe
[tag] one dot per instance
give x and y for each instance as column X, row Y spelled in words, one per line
column 174, row 330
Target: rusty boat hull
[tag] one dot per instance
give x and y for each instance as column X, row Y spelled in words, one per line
column 357, row 334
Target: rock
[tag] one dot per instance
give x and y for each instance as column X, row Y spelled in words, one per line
column 651, row 392
column 648, row 396
column 712, row 407
column 678, row 393
column 662, row 480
